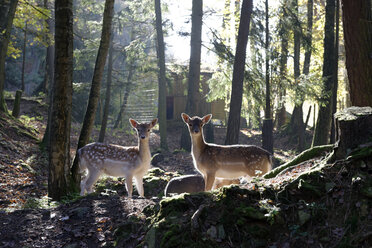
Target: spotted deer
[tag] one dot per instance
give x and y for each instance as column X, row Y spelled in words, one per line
column 219, row 161
column 117, row 161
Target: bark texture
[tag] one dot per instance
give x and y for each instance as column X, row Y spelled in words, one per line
column 17, row 104
column 357, row 19
column 281, row 113
column 233, row 125
column 102, row 131
column 332, row 138
column 323, row 124
column 194, row 68
column 7, row 12
column 267, row 129
column 160, row 51
column 60, row 124
column 353, row 129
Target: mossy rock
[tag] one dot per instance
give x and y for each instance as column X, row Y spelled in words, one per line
column 155, row 181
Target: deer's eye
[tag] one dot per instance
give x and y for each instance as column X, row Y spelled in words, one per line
column 190, row 124
column 148, row 130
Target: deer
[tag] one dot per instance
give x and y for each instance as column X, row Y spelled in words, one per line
column 194, row 184
column 117, row 161
column 224, row 161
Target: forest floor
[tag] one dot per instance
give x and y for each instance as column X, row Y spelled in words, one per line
column 29, row 219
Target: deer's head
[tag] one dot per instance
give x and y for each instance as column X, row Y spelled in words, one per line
column 143, row 129
column 195, row 124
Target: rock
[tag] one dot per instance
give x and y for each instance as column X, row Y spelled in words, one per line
column 79, row 213
column 184, row 184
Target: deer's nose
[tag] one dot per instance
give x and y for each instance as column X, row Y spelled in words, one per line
column 143, row 136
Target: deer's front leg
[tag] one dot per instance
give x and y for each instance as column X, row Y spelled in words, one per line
column 92, row 178
column 139, row 185
column 129, row 185
column 209, row 180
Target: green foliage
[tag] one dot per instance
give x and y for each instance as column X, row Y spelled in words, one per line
column 40, row 203
column 32, row 18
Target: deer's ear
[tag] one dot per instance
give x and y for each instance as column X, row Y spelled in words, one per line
column 153, row 122
column 185, row 118
column 133, row 123
column 206, row 119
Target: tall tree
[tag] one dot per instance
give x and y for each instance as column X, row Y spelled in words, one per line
column 59, row 155
column 357, row 19
column 24, row 58
column 49, row 58
column 297, row 122
column 283, row 33
column 162, row 108
column 49, row 76
column 335, row 84
column 267, row 128
column 323, row 124
column 7, row 12
column 194, row 67
column 96, row 85
column 233, row 125
column 102, row 132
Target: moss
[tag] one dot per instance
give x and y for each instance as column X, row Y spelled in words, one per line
column 172, row 237
column 173, row 206
column 305, row 155
column 155, row 181
column 310, row 187
column 250, row 212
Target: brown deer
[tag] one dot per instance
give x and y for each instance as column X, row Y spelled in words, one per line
column 117, row 161
column 220, row 161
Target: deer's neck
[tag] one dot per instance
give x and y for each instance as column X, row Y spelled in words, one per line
column 197, row 144
column 144, row 149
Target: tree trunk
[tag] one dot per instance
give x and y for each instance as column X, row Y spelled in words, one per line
column 7, row 12
column 353, row 129
column 323, row 124
column 357, row 19
column 59, row 155
column 309, row 37
column 162, row 108
column 96, row 85
column 267, row 130
column 281, row 114
column 194, row 68
column 24, row 58
column 335, row 84
column 49, row 80
column 297, row 122
column 17, row 104
column 102, row 132
column 233, row 125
